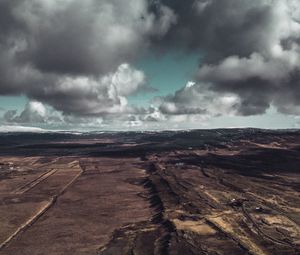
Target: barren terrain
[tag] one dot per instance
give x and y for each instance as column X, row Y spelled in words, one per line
column 179, row 193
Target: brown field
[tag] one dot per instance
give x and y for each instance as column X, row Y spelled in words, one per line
column 240, row 199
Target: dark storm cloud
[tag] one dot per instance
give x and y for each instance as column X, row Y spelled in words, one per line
column 87, row 37
column 74, row 54
column 9, row 25
column 221, row 28
column 249, row 50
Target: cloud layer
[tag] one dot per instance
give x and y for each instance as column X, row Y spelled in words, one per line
column 251, row 50
column 74, row 55
column 77, row 57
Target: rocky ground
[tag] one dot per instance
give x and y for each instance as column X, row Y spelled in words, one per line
column 179, row 193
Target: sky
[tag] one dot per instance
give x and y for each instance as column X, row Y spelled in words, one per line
column 149, row 64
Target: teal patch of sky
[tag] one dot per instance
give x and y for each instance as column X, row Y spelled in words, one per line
column 165, row 73
column 12, row 103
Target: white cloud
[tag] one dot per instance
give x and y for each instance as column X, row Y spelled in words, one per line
column 8, row 129
column 95, row 96
column 33, row 113
column 72, row 54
